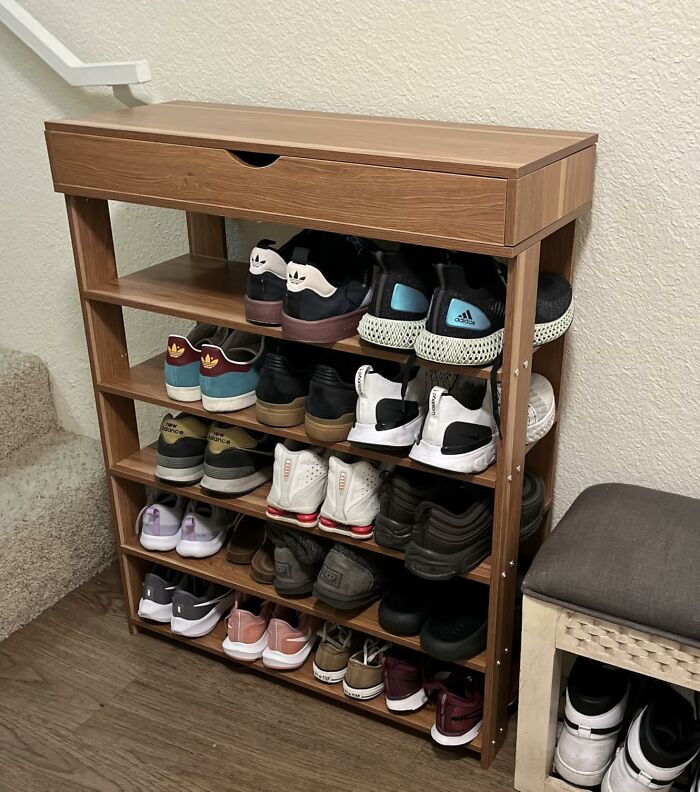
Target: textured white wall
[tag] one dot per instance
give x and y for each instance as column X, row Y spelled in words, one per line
column 628, row 70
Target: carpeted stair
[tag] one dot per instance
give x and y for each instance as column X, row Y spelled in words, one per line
column 55, row 522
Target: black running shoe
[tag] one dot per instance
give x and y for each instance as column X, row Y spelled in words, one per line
column 401, row 494
column 267, row 278
column 555, row 308
column 532, row 509
column 328, row 288
column 467, row 312
column 283, row 386
column 401, row 291
column 330, row 406
column 236, row 460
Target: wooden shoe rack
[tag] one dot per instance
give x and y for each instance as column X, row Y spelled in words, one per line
column 514, row 193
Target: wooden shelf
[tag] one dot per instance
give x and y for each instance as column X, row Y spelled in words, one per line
column 211, row 290
column 420, row 721
column 139, row 467
column 237, row 576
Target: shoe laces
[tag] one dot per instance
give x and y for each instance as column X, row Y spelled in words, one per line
column 336, row 635
column 372, row 649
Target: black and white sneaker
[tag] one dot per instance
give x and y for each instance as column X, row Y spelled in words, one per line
column 467, row 313
column 330, row 406
column 401, row 291
column 237, row 461
column 390, row 411
column 328, row 288
column 198, row 606
column 267, row 279
column 159, row 586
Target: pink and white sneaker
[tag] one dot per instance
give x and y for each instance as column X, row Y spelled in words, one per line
column 290, row 638
column 298, row 485
column 352, row 499
column 247, row 628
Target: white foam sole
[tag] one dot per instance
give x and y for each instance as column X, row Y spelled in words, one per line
column 549, row 331
column 399, row 437
column 472, row 462
column 392, row 333
column 459, row 351
column 538, row 430
column 363, row 694
column 189, row 549
column 196, row 628
column 577, row 777
column 160, row 544
column 155, row 612
column 411, row 703
column 455, row 739
column 230, row 404
column 329, row 677
column 189, row 475
column 178, row 393
column 237, row 486
column 287, row 662
column 245, row 652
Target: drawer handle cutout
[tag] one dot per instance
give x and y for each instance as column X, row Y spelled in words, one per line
column 253, row 159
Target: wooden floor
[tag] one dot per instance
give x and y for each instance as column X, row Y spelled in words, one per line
column 86, row 706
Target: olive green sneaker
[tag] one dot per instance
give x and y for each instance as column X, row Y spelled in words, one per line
column 333, row 653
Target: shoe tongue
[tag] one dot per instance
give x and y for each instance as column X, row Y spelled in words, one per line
column 450, row 276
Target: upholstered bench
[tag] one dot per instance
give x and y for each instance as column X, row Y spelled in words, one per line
column 617, row 581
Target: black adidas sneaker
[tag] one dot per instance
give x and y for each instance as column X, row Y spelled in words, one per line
column 330, row 406
column 467, row 312
column 328, row 288
column 403, row 284
column 267, row 278
column 283, row 386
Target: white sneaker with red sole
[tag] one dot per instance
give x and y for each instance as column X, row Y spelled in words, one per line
column 352, row 499
column 298, row 487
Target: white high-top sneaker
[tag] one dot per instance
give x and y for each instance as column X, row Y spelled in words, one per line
column 662, row 741
column 352, row 499
column 596, row 699
column 389, row 412
column 298, row 484
column 455, row 437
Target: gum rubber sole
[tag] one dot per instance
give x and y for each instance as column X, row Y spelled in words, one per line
column 329, row 430
column 322, row 331
column 281, row 415
column 263, row 312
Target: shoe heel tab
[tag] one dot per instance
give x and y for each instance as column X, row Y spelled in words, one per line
column 434, row 400
column 360, row 379
column 300, row 256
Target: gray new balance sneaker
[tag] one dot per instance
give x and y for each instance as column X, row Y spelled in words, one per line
column 158, row 589
column 198, row 605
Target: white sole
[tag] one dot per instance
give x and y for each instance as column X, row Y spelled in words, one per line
column 392, row 333
column 188, row 549
column 364, row 694
column 247, row 653
column 549, row 331
column 411, row 703
column 159, row 544
column 457, row 739
column 459, row 351
column 400, row 437
column 329, row 677
column 575, row 777
column 180, row 475
column 538, row 430
column 230, row 404
column 190, row 628
column 155, row 612
column 177, row 393
column 237, row 486
column 472, row 462
column 287, row 662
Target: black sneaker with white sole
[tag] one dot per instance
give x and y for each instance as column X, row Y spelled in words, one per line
column 198, row 606
column 237, row 461
column 159, row 586
column 181, row 446
column 467, row 313
column 401, row 291
column 328, row 288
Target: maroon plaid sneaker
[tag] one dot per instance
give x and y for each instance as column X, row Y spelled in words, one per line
column 403, row 685
column 458, row 717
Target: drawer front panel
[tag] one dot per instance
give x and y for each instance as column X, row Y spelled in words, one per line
column 339, row 196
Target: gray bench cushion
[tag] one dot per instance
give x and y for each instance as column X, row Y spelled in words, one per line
column 628, row 555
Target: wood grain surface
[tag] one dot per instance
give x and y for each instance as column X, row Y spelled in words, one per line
column 85, row 707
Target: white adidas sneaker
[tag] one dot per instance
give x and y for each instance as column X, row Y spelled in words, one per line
column 541, row 408
column 662, row 741
column 389, row 412
column 596, row 699
column 352, row 499
column 298, row 487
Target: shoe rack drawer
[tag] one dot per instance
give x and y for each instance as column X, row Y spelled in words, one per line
column 400, row 203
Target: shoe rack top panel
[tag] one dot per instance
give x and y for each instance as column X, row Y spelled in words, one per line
column 459, row 186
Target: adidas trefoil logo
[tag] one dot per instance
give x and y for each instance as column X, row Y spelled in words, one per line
column 175, row 351
column 209, row 362
column 295, row 278
column 256, row 262
column 465, row 318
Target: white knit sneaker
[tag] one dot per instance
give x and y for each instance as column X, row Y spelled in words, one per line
column 352, row 499
column 204, row 530
column 541, row 408
column 298, row 487
column 596, row 699
column 389, row 411
column 662, row 741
